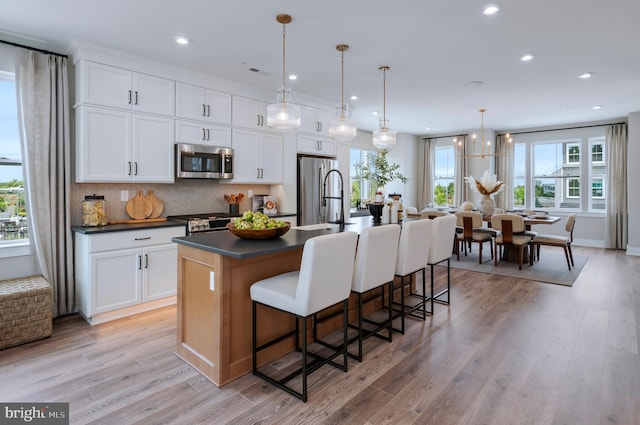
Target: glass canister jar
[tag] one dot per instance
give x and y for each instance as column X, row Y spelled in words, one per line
column 94, row 212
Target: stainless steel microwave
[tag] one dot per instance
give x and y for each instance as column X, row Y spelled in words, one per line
column 203, row 162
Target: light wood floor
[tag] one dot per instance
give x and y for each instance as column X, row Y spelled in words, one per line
column 507, row 351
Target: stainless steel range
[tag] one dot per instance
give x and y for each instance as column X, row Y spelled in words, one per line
column 199, row 223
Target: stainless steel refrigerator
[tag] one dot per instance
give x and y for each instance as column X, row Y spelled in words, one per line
column 311, row 178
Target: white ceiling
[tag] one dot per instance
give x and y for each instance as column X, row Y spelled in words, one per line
column 433, row 48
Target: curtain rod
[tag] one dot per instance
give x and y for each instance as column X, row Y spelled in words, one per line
column 47, row 52
column 566, row 128
column 445, row 137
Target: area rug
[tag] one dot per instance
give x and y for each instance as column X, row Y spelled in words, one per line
column 552, row 267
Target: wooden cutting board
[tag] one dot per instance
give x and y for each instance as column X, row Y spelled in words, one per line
column 144, row 220
column 139, row 207
column 156, row 203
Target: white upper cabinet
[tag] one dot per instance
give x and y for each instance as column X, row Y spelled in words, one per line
column 108, row 86
column 315, row 145
column 198, row 133
column 118, row 146
column 199, row 103
column 249, row 113
column 257, row 157
column 315, row 121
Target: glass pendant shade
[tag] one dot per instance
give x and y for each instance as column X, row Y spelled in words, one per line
column 283, row 115
column 342, row 128
column 384, row 137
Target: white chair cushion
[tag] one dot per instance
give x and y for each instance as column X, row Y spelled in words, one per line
column 517, row 239
column 551, row 240
column 277, row 291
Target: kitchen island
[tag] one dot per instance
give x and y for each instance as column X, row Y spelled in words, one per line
column 215, row 272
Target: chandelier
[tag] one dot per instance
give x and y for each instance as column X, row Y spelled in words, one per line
column 384, row 137
column 283, row 115
column 485, row 146
column 342, row 128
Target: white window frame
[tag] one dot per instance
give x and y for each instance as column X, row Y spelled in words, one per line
column 596, row 141
column 451, row 177
column 568, row 154
column 604, row 187
column 569, row 187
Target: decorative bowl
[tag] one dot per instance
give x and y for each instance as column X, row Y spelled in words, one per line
column 259, row 234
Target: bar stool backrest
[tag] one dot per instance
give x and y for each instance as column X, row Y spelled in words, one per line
column 413, row 248
column 375, row 257
column 326, row 270
column 442, row 238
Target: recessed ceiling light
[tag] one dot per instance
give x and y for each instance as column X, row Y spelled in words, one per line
column 354, row 97
column 526, row 58
column 490, row 9
column 585, row 75
column 427, row 128
column 597, row 107
column 293, row 77
column 182, row 40
column 375, row 113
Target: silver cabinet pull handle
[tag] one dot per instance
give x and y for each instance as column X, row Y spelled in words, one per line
column 146, row 261
column 139, row 262
column 204, row 110
column 320, row 143
column 135, row 168
column 203, row 134
column 136, row 97
column 129, row 168
column 146, row 238
column 258, row 117
column 258, row 172
column 208, row 110
column 129, row 97
column 208, row 134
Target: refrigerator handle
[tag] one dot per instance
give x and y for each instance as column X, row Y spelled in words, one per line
column 321, row 172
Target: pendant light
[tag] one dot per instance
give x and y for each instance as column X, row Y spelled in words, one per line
column 283, row 115
column 384, row 137
column 342, row 128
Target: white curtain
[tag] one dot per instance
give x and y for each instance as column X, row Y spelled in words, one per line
column 43, row 116
column 461, row 189
column 617, row 221
column 504, row 172
column 425, row 172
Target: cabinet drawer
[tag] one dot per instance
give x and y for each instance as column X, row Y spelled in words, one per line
column 133, row 238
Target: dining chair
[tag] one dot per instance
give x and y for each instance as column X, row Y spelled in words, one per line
column 511, row 227
column 410, row 210
column 413, row 251
column 562, row 241
column 431, row 214
column 442, row 234
column 472, row 231
column 374, row 268
column 323, row 281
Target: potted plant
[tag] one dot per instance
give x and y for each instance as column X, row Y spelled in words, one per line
column 378, row 170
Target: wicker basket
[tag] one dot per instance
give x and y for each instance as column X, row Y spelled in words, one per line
column 25, row 310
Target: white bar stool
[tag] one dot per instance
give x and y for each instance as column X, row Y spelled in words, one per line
column 324, row 280
column 375, row 267
column 413, row 251
column 441, row 249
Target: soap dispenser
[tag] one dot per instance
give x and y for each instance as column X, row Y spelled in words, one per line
column 386, row 213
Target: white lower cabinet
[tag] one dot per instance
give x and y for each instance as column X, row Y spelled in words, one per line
column 122, row 273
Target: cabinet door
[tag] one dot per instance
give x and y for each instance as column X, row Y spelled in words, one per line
column 249, row 113
column 104, row 85
column 308, row 121
column 218, row 107
column 316, row 145
column 246, row 168
column 160, row 272
column 202, row 134
column 153, row 95
column 153, row 149
column 271, row 158
column 103, row 145
column 324, row 119
column 190, row 102
column 115, row 280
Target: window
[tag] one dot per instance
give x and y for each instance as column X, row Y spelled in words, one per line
column 13, row 223
column 573, row 154
column 550, row 174
column 444, row 176
column 360, row 189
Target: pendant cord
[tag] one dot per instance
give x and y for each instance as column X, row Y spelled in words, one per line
column 284, row 32
column 342, row 87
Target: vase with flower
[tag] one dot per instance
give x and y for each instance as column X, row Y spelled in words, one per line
column 486, row 186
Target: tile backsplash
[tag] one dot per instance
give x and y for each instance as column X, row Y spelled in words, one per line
column 182, row 197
